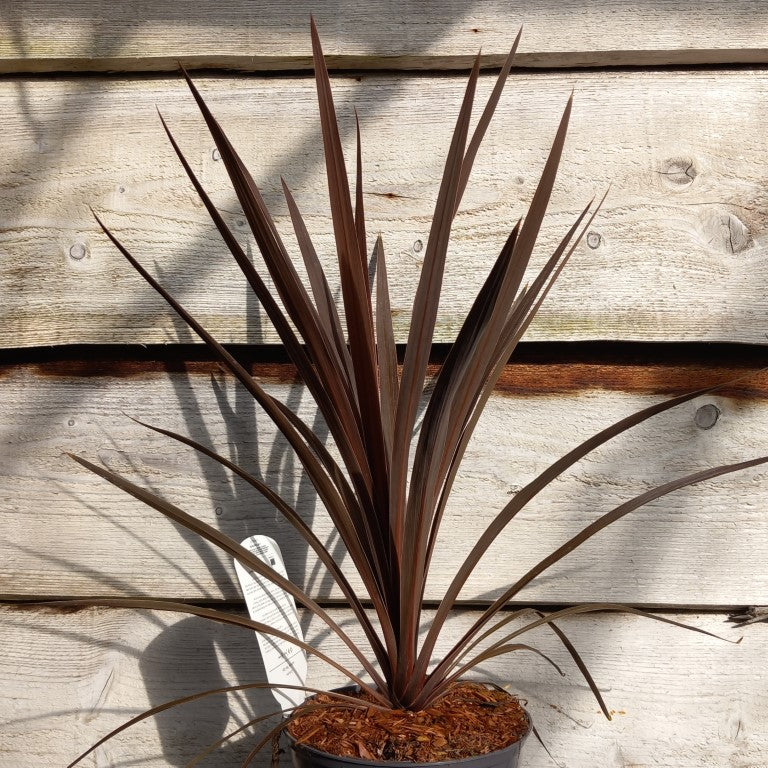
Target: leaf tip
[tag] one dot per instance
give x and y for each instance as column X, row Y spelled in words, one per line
column 313, row 31
column 98, row 220
column 81, row 461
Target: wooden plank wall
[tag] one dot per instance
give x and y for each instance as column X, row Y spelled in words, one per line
column 666, row 294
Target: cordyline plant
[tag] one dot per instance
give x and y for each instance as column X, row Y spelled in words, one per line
column 387, row 516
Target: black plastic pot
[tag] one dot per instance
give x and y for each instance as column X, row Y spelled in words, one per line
column 309, row 757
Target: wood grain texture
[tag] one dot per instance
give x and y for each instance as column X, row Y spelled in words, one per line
column 678, row 253
column 679, row 699
column 85, row 35
column 67, row 532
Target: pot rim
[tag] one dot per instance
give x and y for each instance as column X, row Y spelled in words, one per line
column 516, row 745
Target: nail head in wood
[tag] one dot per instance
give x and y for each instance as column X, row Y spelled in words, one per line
column 594, row 239
column 78, row 251
column 706, row 416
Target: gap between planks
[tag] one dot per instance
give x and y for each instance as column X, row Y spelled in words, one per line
column 273, row 65
column 536, row 367
column 34, row 603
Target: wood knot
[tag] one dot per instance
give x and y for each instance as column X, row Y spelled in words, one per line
column 726, row 232
column 678, row 172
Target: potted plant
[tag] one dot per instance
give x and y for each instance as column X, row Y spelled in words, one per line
column 384, row 489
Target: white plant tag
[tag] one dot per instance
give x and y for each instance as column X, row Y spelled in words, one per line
column 269, row 604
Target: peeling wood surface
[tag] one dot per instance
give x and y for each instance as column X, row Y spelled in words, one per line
column 84, row 35
column 67, row 532
column 678, row 254
column 84, row 673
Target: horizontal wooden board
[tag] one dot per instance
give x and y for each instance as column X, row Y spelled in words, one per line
column 46, row 36
column 678, row 252
column 66, row 532
column 680, row 700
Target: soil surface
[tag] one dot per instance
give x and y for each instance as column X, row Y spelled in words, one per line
column 470, row 719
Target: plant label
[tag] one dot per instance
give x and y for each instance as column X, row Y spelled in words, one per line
column 269, row 604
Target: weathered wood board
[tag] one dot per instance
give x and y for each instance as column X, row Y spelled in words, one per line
column 677, row 254
column 679, row 698
column 84, row 35
column 67, row 532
